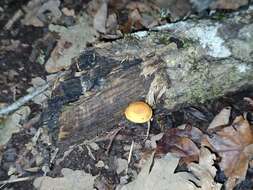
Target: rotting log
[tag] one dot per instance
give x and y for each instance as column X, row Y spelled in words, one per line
column 181, row 63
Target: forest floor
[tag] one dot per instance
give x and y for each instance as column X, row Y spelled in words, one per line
column 203, row 146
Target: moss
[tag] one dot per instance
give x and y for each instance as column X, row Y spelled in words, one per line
column 41, row 58
column 188, row 42
column 161, row 38
column 132, row 40
column 202, row 90
column 166, row 38
column 219, row 16
column 164, row 13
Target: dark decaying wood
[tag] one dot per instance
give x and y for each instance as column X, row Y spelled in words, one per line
column 102, row 110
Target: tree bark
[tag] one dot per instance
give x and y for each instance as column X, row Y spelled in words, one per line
column 180, row 63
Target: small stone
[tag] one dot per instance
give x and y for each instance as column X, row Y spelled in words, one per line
column 94, row 146
column 154, row 139
column 124, row 180
column 100, row 164
column 39, row 160
column 121, row 165
column 12, row 170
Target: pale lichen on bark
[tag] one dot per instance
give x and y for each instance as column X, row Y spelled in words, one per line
column 217, row 59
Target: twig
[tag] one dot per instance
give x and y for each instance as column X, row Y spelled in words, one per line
column 90, row 152
column 16, row 180
column 54, row 155
column 112, row 138
column 21, row 101
column 13, row 19
column 130, row 155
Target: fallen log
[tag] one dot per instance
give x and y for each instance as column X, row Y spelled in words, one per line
column 177, row 64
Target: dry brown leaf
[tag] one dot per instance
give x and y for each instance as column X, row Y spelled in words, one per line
column 142, row 7
column 221, row 119
column 205, row 171
column 234, row 145
column 111, row 24
column 75, row 180
column 160, row 174
column 73, row 40
column 36, row 8
column 135, row 18
column 177, row 9
column 100, row 18
column 11, row 124
column 229, row 4
column 68, row 12
column 180, row 142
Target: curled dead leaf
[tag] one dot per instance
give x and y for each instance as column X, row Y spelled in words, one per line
column 229, row 4
column 100, row 18
column 234, row 145
column 221, row 119
column 180, row 142
column 160, row 174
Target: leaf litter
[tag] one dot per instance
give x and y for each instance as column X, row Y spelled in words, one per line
column 234, row 144
column 231, row 143
column 75, row 180
column 13, row 124
column 160, row 174
column 72, row 42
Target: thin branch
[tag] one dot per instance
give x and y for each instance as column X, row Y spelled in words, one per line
column 130, row 156
column 20, row 102
column 18, row 14
column 112, row 137
column 16, row 180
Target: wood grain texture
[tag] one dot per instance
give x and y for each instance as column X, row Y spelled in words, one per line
column 101, row 111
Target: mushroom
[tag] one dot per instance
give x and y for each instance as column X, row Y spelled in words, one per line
column 139, row 112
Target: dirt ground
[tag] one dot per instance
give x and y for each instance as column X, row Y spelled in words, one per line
column 27, row 43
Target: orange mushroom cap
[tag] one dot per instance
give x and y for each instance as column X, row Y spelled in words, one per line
column 138, row 112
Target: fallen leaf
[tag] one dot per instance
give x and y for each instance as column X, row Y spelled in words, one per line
column 220, row 119
column 111, row 23
column 160, row 174
column 135, row 19
column 181, row 142
column 74, row 180
column 73, row 40
column 142, row 7
column 121, row 165
column 200, row 5
column 100, row 18
column 41, row 98
column 234, row 145
column 229, row 4
column 36, row 8
column 175, row 9
column 192, row 113
column 142, row 14
column 205, row 171
column 68, row 12
column 11, row 124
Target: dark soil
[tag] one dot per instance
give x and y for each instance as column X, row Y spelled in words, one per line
column 18, row 65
